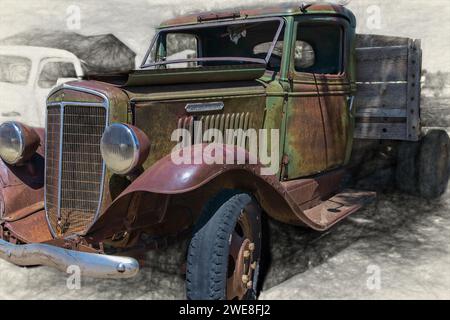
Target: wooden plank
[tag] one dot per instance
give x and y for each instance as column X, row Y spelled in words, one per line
column 387, row 101
column 373, row 40
column 378, row 64
column 414, row 88
column 381, row 131
column 380, row 113
column 381, row 95
column 382, row 53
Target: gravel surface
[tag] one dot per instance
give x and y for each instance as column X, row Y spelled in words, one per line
column 403, row 238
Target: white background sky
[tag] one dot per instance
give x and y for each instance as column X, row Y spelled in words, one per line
column 133, row 21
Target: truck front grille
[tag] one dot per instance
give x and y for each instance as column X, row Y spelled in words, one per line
column 74, row 166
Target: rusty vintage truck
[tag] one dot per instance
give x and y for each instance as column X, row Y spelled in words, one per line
column 100, row 183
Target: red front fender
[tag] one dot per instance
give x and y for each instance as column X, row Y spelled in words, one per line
column 23, row 186
column 167, row 177
column 149, row 194
column 22, row 197
column 148, row 199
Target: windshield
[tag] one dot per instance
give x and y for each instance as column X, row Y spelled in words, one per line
column 14, row 69
column 214, row 44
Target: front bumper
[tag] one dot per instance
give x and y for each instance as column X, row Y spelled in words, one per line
column 90, row 264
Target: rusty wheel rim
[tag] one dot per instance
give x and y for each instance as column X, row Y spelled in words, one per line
column 243, row 256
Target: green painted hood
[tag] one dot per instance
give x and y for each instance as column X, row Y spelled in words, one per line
column 209, row 74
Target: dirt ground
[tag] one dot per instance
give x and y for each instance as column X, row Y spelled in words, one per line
column 403, row 238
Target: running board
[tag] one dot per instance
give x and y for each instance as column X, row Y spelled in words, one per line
column 338, row 207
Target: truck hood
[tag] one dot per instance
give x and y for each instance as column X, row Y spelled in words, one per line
column 185, row 75
column 159, row 109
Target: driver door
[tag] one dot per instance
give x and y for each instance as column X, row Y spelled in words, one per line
column 318, row 126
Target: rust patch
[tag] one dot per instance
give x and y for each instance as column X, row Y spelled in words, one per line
column 305, row 133
column 283, row 9
column 23, row 186
column 31, row 229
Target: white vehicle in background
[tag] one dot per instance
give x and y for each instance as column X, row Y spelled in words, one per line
column 27, row 75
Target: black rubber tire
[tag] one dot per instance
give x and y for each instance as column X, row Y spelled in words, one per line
column 406, row 175
column 207, row 262
column 434, row 164
column 423, row 168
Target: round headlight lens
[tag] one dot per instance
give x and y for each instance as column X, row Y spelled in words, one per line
column 12, row 142
column 120, row 148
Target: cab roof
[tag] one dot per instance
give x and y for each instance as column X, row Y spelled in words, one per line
column 31, row 52
column 283, row 9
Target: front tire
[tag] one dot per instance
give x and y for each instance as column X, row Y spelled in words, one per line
column 224, row 253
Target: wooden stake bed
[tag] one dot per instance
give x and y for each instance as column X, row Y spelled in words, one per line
column 388, row 77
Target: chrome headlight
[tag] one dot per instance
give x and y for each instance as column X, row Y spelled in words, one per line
column 18, row 142
column 124, row 148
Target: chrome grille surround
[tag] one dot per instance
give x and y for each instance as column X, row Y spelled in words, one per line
column 58, row 179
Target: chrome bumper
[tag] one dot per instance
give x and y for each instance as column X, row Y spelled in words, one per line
column 90, row 264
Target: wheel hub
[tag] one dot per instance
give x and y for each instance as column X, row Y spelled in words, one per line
column 241, row 269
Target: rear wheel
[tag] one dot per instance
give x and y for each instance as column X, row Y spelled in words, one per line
column 434, row 164
column 224, row 253
column 423, row 168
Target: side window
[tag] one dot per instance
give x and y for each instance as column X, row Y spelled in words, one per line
column 14, row 69
column 319, row 49
column 54, row 70
column 181, row 46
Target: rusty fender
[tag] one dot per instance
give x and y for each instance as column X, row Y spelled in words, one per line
column 23, row 186
column 166, row 188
